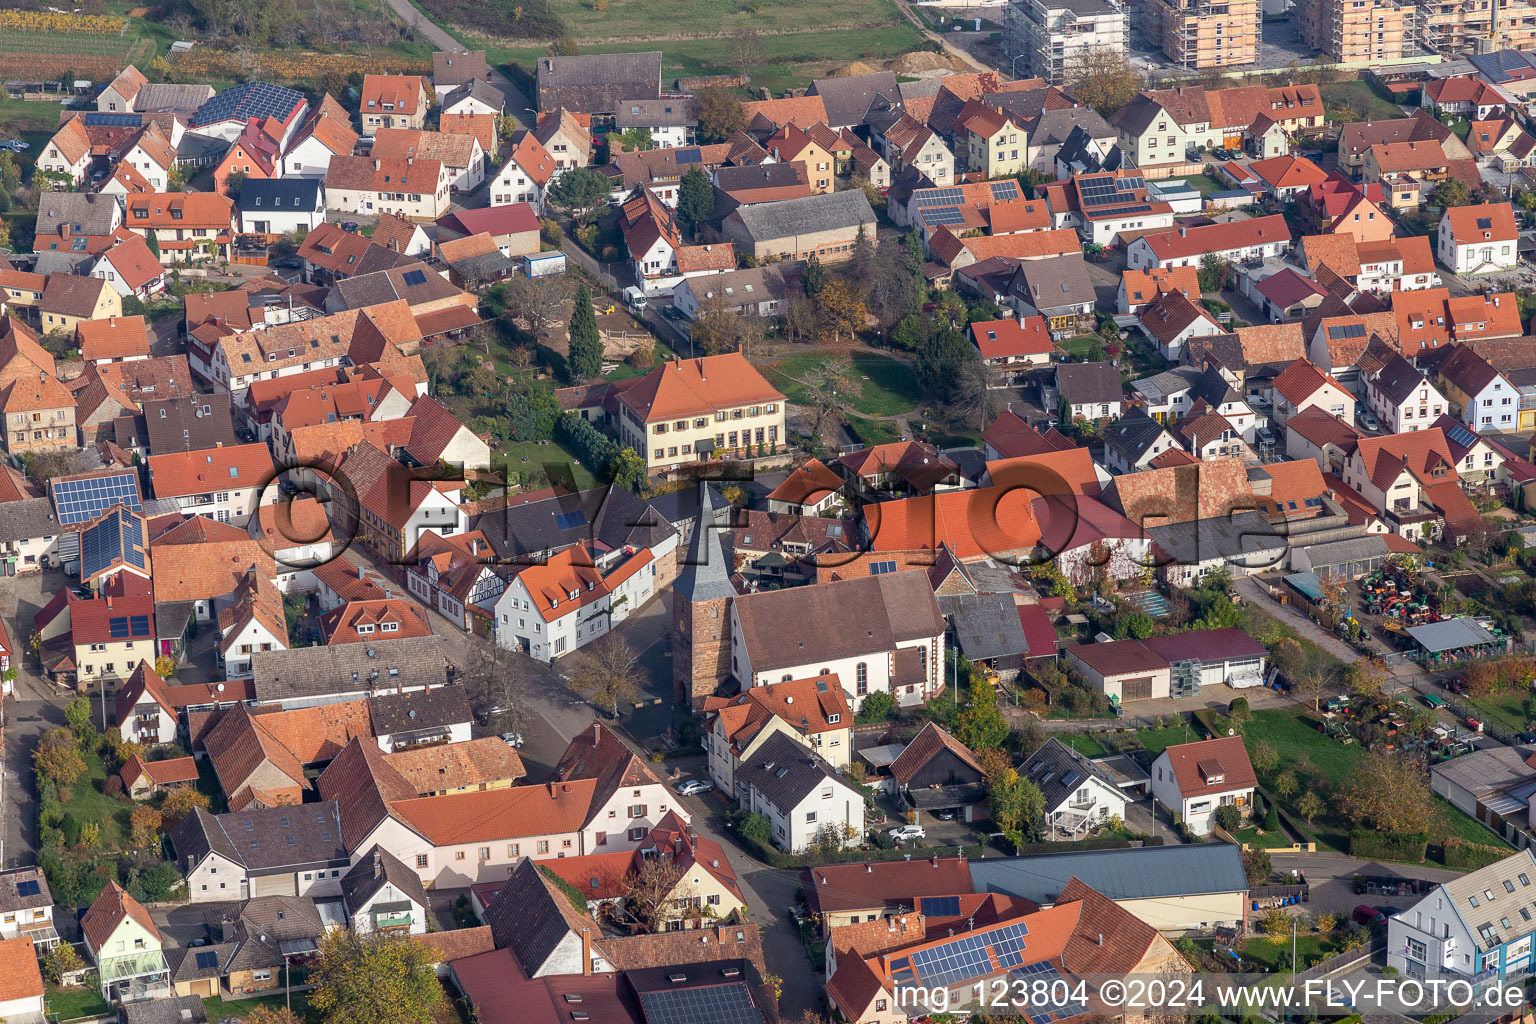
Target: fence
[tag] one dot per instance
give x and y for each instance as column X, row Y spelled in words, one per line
column 1348, row 959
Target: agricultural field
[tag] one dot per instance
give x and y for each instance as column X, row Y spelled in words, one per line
column 639, row 20
column 40, row 46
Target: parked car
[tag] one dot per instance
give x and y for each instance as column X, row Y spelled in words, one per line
column 904, row 832
column 1369, row 421
column 693, row 787
column 1386, row 912
column 945, row 815
column 349, row 225
column 512, row 739
column 671, row 313
column 1525, row 737
column 1369, row 915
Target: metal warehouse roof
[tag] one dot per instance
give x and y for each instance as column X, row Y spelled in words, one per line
column 1450, row 635
column 1147, row 872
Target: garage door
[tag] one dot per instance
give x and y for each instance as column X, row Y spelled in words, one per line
column 1136, row 689
column 274, row 885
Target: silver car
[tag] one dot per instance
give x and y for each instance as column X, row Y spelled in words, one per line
column 693, row 787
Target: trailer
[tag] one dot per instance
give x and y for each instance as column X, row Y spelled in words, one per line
column 542, row 264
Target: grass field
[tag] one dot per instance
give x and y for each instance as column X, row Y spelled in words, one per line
column 75, row 1001
column 1155, row 740
column 221, row 1009
column 789, row 61
column 635, row 21
column 1506, row 709
column 887, row 386
column 88, row 802
column 1359, row 97
column 525, row 457
column 1275, row 953
column 1267, row 841
column 1205, row 183
column 1083, row 743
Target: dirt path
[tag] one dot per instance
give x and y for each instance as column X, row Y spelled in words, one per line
column 954, row 51
column 1252, row 589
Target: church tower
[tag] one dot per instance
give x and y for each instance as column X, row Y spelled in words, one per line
column 701, row 613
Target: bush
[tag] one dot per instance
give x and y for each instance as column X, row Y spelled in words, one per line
column 113, row 786
column 1463, row 855
column 1229, row 818
column 877, row 706
column 1403, row 846
column 1272, row 819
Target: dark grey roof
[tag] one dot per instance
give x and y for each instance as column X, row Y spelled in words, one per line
column 1137, row 115
column 705, row 575
column 349, row 668
column 525, row 918
column 1354, row 549
column 183, row 960
column 779, row 175
column 597, row 83
column 370, row 288
column 1148, row 872
column 1133, row 434
column 266, row 195
column 681, row 508
column 1055, row 126
column 199, row 150
column 848, row 99
column 666, row 112
column 451, row 67
column 785, row 772
column 32, row 879
column 904, row 182
column 608, row 515
column 190, row 423
column 1214, row 388
column 264, row 840
column 1089, row 383
column 266, row 927
column 1398, row 379
column 1235, row 536
column 481, row 90
column 1058, row 771
column 60, row 261
column 865, row 616
column 28, row 519
column 418, row 709
column 484, row 267
column 1054, row 283
column 372, row 870
column 170, row 1010
column 86, row 213
column 825, row 212
column 986, row 625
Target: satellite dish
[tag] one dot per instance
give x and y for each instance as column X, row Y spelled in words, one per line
column 219, row 688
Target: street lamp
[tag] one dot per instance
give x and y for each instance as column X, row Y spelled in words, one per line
column 1016, row 64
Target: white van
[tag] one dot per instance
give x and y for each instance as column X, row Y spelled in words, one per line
column 634, row 298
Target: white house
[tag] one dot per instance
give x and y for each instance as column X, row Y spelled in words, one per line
column 219, row 483
column 551, row 609
column 125, row 944
column 1483, row 398
column 26, row 907
column 250, row 620
column 281, row 206
column 1478, row 239
column 525, row 176
column 1237, row 241
column 812, row 712
column 1173, row 319
column 382, row 895
column 1193, row 779
column 1472, row 926
column 131, row 269
column 1402, row 397
column 145, row 713
column 800, row 794
column 1303, row 386
column 1134, row 440
column 1078, row 794
column 413, row 189
column 888, row 636
column 263, row 862
column 629, row 799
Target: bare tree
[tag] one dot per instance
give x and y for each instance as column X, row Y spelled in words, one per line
column 539, row 302
column 1103, row 78
column 609, row 673
column 823, row 382
column 498, row 683
column 744, row 50
column 654, row 892
column 973, row 397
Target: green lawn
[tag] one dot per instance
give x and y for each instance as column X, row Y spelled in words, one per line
column 633, row 21
column 1205, row 183
column 789, row 61
column 887, row 387
column 1078, row 347
column 523, row 458
column 88, row 802
column 220, row 1009
column 1275, row 953
column 783, row 374
column 873, row 432
column 1267, row 841
column 77, row 1001
column 1506, row 709
column 1084, row 743
column 1155, row 740
column 1357, row 101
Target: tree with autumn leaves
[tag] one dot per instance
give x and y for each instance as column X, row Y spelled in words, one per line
column 374, row 979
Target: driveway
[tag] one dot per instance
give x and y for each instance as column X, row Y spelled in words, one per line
column 1331, row 875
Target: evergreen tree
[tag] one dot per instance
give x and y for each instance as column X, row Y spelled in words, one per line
column 695, row 198
column 814, row 277
column 586, row 358
column 939, row 360
column 914, row 246
column 859, row 263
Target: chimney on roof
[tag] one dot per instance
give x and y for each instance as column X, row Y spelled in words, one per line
column 586, row 952
column 1101, row 938
column 378, row 862
column 597, row 733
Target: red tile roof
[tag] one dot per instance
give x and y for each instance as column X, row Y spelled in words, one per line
column 111, row 909
column 1218, row 765
column 213, row 469
column 1001, row 339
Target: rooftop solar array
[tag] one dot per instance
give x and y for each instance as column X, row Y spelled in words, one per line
column 715, row 1004
column 124, row 627
column 963, row 958
column 1002, row 191
column 939, row 197
column 207, row 961
column 103, row 120
column 1098, row 191
column 1461, row 436
column 1123, row 211
column 250, row 99
column 1485, row 223
column 944, row 215
column 941, row 906
column 570, row 520
column 689, row 156
column 79, row 501
column 1131, row 183
column 118, row 536
column 27, row 888
column 881, row 568
column 1039, row 1009
column 1347, row 331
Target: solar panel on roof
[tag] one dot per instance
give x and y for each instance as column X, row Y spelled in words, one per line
column 939, row 197
column 1485, row 223
column 117, row 627
column 414, row 277
column 101, row 120
column 139, row 625
column 1461, row 436
column 1134, row 182
column 1005, row 190
column 570, row 520
column 27, row 888
column 1122, row 211
column 1098, row 192
column 78, row 501
column 944, row 215
column 941, row 906
column 725, row 1004
column 1347, row 331
column 881, row 568
column 207, row 961
column 689, row 156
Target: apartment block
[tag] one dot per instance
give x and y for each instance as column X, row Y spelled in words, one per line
column 1047, row 37
column 1358, row 31
column 1208, row 33
column 1454, row 26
